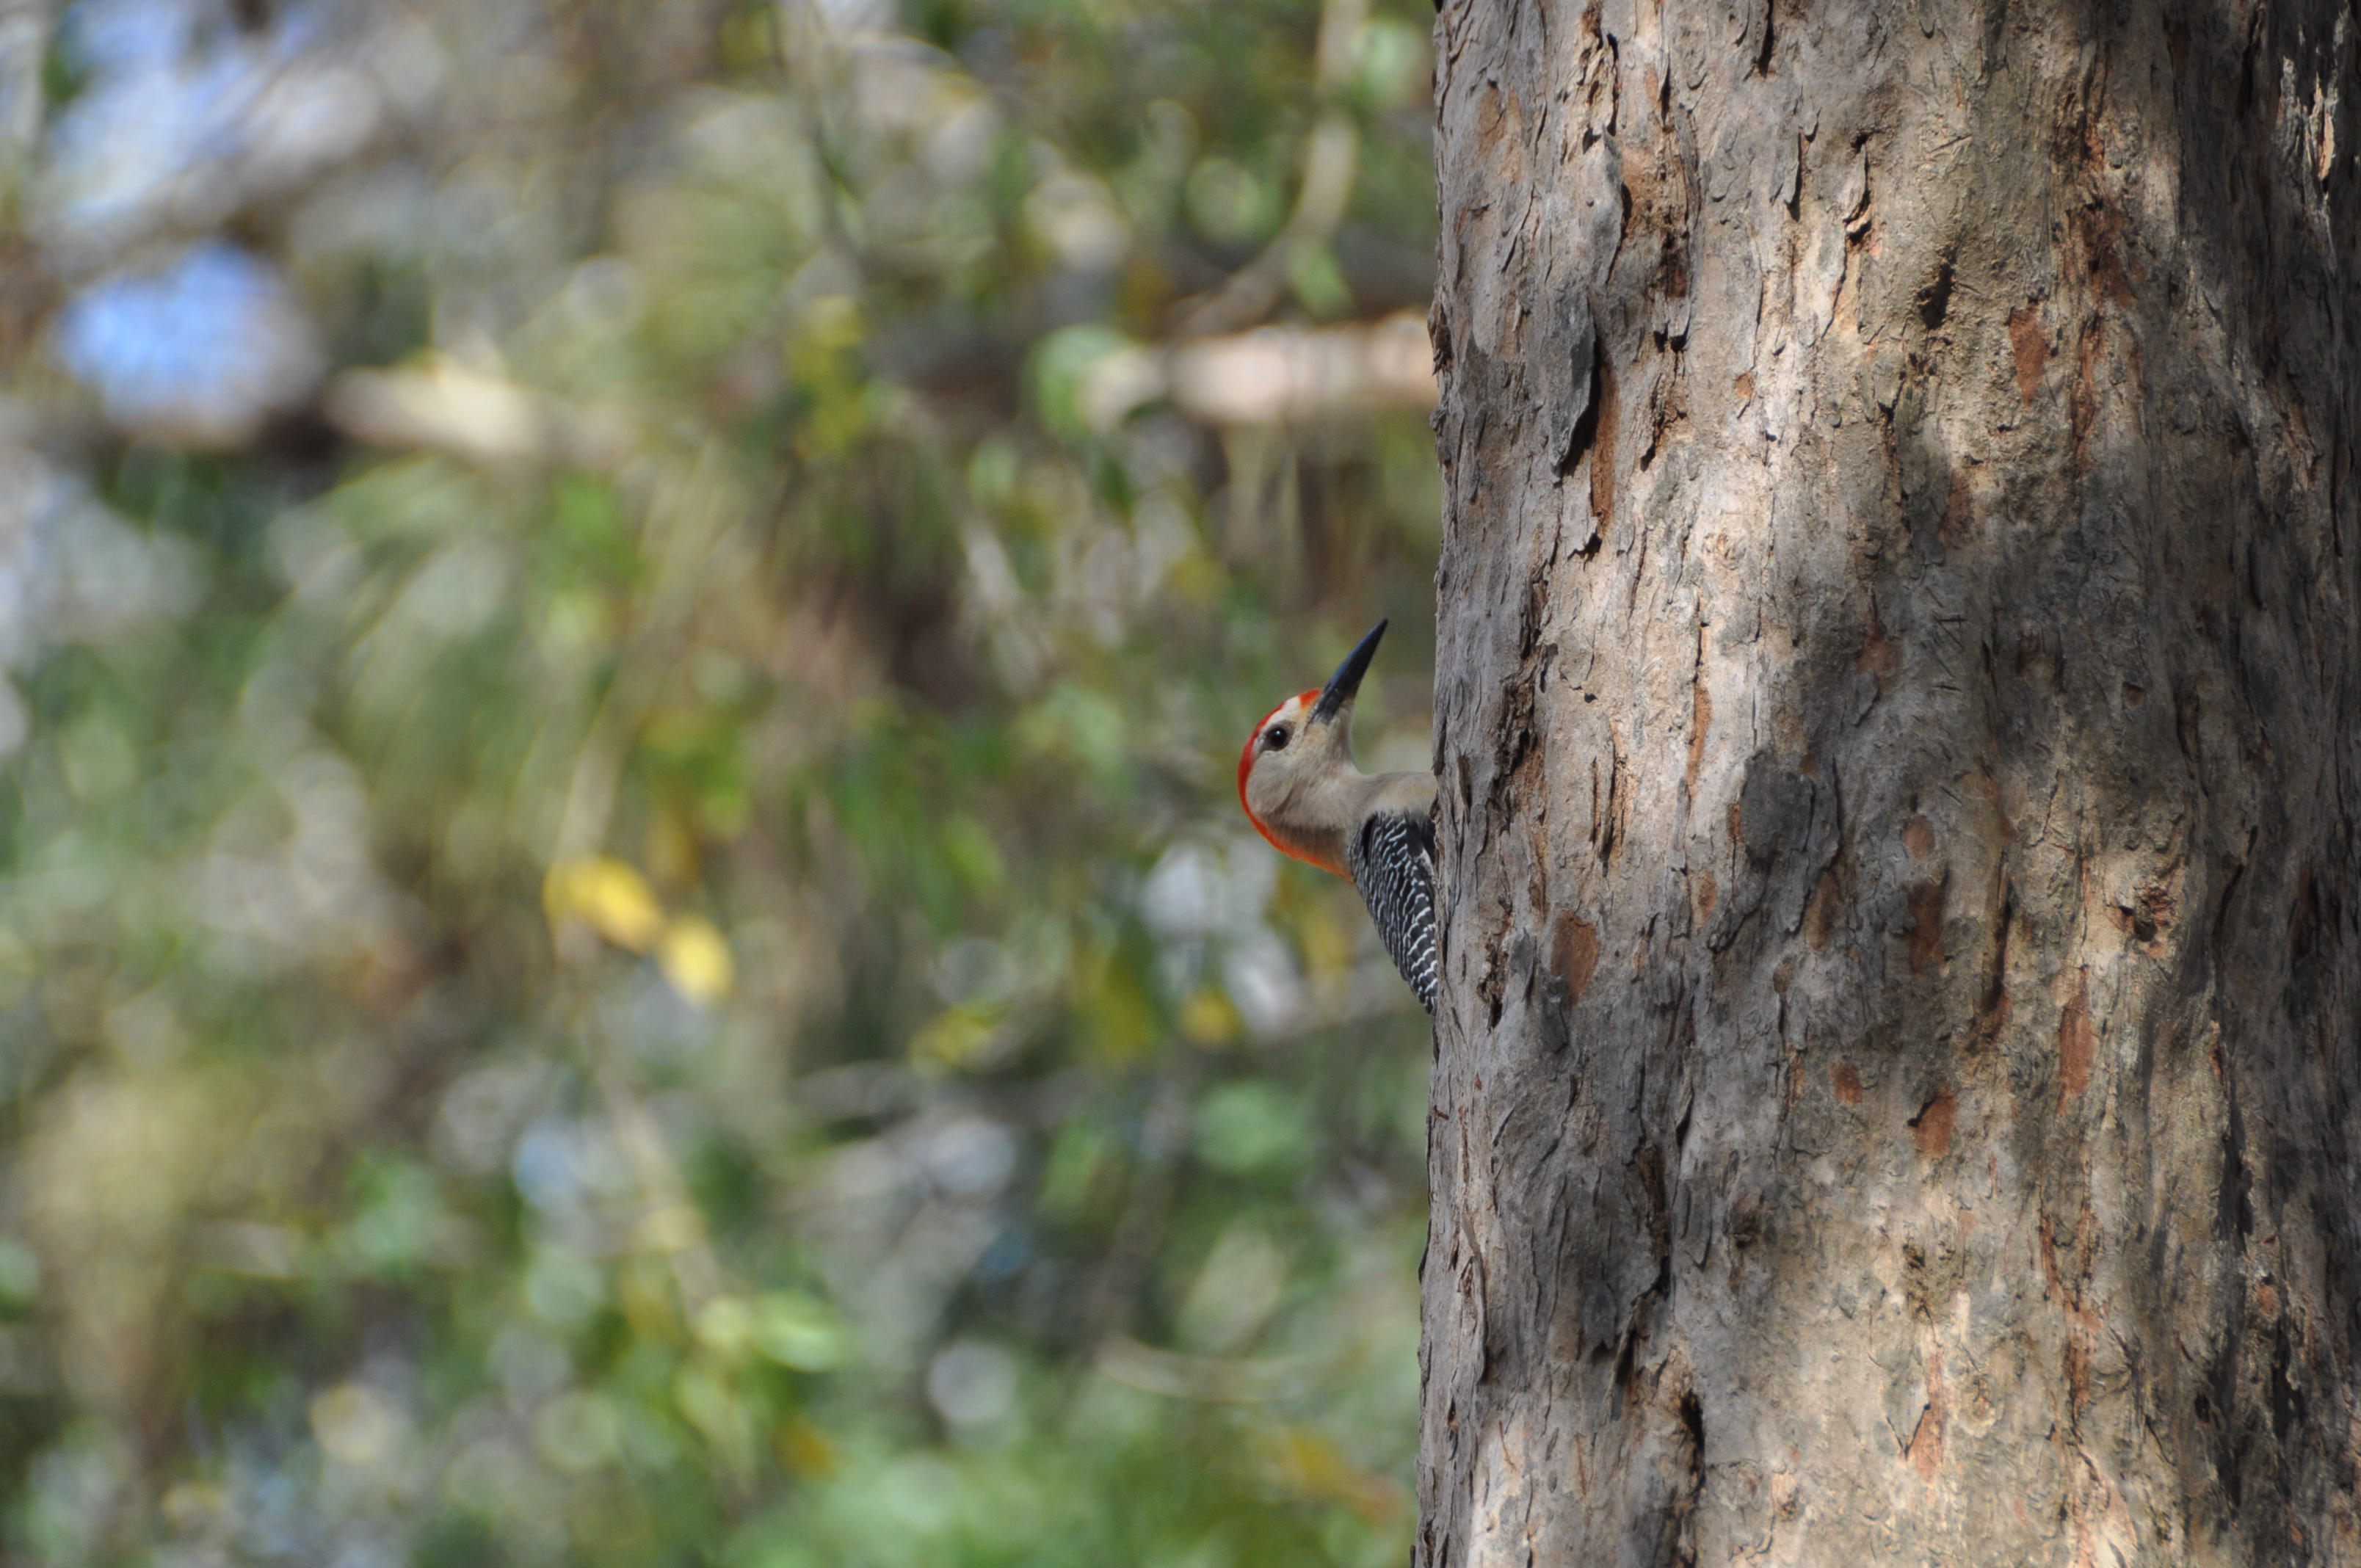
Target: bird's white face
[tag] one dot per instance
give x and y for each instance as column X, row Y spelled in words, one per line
column 1290, row 758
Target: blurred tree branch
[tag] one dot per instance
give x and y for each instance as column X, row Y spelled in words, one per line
column 1330, row 157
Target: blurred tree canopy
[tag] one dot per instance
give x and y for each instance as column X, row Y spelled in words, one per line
column 624, row 931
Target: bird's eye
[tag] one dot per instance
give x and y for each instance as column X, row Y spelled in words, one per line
column 1274, row 738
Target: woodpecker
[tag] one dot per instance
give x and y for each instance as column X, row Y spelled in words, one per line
column 1303, row 792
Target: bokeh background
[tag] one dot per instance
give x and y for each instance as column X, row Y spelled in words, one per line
column 625, row 936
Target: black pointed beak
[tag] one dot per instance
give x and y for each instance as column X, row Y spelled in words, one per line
column 1348, row 679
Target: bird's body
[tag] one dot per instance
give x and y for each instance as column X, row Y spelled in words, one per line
column 1392, row 861
column 1303, row 792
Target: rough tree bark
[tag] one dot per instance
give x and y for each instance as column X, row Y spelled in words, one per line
column 1894, row 1099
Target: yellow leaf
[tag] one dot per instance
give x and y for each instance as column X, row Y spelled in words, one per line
column 725, row 1326
column 672, row 1228
column 671, row 852
column 1310, row 1465
column 1119, row 1021
column 355, row 1425
column 609, row 897
column 643, row 1288
column 696, row 958
column 195, row 1506
column 957, row 1036
column 805, row 1449
column 1327, row 942
column 830, row 323
column 1208, row 1018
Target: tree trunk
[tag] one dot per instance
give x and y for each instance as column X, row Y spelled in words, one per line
column 1897, row 723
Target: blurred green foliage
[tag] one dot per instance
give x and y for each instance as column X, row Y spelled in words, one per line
column 624, row 930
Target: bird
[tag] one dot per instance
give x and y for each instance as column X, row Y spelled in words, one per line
column 1303, row 793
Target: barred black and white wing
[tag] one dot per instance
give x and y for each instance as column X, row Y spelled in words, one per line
column 1392, row 862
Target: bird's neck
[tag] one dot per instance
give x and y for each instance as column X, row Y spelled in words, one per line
column 1314, row 821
